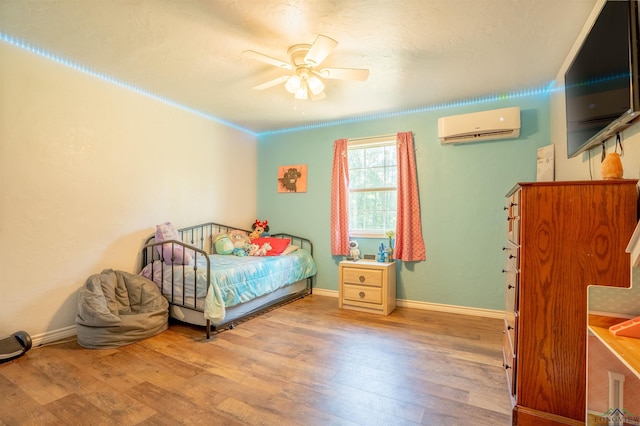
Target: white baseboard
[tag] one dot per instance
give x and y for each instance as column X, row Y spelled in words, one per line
column 53, row 336
column 66, row 332
column 323, row 292
column 427, row 306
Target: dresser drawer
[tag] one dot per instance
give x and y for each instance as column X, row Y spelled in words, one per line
column 511, row 279
column 358, row 293
column 510, row 324
column 371, row 277
column 513, row 218
column 512, row 252
column 509, row 364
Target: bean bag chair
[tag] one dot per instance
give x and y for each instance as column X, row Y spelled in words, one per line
column 116, row 308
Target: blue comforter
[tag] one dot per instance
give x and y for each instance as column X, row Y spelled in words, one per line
column 234, row 279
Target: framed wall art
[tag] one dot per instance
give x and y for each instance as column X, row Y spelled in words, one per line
column 292, row 178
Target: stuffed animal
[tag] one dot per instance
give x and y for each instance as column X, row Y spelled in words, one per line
column 239, row 238
column 354, row 251
column 253, row 248
column 262, row 251
column 240, row 251
column 259, row 228
column 223, row 244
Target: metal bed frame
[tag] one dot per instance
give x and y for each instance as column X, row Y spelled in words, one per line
column 199, row 239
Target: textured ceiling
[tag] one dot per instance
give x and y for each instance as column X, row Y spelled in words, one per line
column 419, row 52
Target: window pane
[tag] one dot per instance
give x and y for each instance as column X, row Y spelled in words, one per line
column 374, row 220
column 390, row 155
column 375, row 156
column 356, row 178
column 373, row 200
column 375, row 177
column 391, row 200
column 355, row 219
column 390, row 222
column 356, row 158
column 391, row 177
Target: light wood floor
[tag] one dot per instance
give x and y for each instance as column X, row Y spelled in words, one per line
column 306, row 363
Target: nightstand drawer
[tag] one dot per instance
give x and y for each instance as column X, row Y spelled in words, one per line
column 365, row 294
column 362, row 276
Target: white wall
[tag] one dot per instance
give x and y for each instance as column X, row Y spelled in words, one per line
column 87, row 169
column 581, row 167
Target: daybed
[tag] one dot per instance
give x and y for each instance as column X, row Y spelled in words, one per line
column 216, row 290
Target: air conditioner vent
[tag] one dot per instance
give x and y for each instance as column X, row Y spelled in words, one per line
column 480, row 126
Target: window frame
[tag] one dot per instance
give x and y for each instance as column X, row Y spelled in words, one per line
column 363, row 143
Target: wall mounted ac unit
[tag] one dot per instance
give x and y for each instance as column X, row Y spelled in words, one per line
column 501, row 123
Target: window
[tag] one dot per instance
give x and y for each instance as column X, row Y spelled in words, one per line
column 373, row 181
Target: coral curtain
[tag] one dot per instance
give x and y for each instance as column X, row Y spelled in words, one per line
column 340, row 199
column 409, row 242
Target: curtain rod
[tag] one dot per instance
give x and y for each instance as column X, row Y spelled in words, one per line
column 372, row 137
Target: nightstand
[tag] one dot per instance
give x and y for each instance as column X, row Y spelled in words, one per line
column 367, row 286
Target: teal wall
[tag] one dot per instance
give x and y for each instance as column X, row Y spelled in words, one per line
column 462, row 189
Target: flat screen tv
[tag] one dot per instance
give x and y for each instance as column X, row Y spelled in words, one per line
column 602, row 87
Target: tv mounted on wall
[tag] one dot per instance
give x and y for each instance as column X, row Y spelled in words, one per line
column 602, row 84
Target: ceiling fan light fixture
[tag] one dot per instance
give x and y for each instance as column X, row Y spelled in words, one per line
column 316, row 86
column 305, row 81
column 302, row 93
column 294, row 83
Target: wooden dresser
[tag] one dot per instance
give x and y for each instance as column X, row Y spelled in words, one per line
column 367, row 286
column 561, row 237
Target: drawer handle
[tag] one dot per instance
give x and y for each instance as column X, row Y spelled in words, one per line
column 510, row 286
column 361, row 294
column 361, row 278
column 507, row 366
column 509, row 327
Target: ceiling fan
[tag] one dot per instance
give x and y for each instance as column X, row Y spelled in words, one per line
column 306, row 80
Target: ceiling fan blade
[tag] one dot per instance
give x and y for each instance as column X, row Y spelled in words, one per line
column 317, row 97
column 272, row 83
column 359, row 74
column 266, row 59
column 319, row 50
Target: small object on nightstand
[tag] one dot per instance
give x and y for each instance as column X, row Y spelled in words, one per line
column 354, row 251
column 390, row 235
column 382, row 253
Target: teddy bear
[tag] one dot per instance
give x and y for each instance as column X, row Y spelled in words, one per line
column 239, row 238
column 259, row 228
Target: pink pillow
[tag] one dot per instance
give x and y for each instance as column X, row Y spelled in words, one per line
column 164, row 232
column 278, row 245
